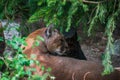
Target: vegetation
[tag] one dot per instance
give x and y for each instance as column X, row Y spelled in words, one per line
column 65, row 14
column 13, row 68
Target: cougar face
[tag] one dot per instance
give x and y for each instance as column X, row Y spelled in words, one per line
column 55, row 42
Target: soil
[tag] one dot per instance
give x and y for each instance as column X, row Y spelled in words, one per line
column 93, row 48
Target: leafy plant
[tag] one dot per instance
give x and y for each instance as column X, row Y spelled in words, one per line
column 1, row 38
column 14, row 67
column 12, row 9
column 37, row 41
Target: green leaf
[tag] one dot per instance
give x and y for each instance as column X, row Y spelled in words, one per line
column 33, row 56
column 42, row 68
column 85, row 7
column 40, row 38
column 36, row 43
column 1, row 38
column 49, row 69
column 40, row 2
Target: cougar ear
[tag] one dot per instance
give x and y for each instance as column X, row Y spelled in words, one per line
column 49, row 30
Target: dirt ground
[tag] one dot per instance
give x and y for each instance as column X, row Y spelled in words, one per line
column 93, row 48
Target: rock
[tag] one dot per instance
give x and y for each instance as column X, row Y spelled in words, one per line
column 117, row 47
column 10, row 31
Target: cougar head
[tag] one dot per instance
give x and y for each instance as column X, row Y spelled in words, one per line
column 55, row 41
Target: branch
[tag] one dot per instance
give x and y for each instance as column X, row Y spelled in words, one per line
column 92, row 2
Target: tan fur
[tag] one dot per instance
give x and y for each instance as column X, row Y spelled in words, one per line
column 64, row 68
column 71, row 69
column 51, row 44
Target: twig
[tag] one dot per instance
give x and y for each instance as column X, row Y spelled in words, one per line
column 92, row 2
column 91, row 14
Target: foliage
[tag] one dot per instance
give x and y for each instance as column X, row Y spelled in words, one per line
column 1, row 38
column 65, row 14
column 37, row 41
column 60, row 13
column 14, row 67
column 12, row 9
